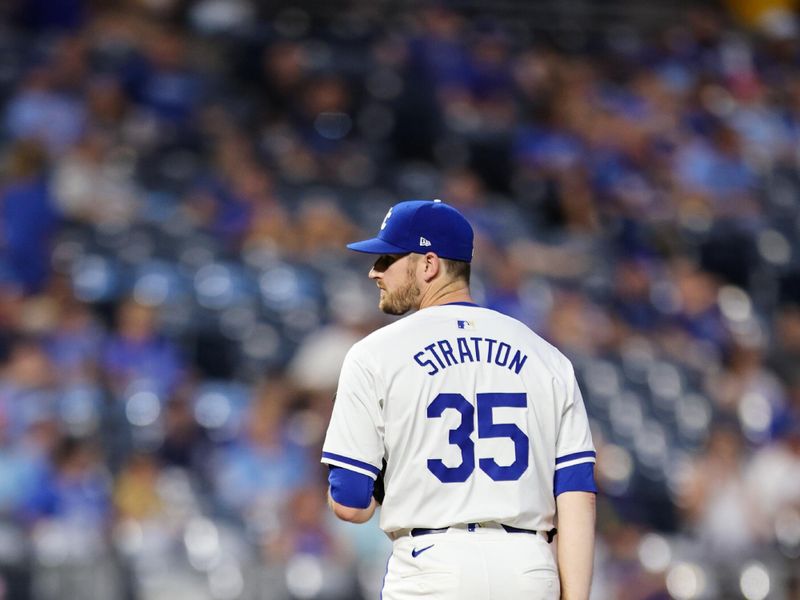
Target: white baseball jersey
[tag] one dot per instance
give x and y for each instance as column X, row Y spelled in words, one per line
column 473, row 412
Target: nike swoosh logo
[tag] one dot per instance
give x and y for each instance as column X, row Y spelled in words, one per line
column 415, row 553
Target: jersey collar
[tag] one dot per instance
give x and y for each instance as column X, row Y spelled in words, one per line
column 461, row 304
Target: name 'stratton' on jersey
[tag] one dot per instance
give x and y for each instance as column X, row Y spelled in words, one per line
column 441, row 354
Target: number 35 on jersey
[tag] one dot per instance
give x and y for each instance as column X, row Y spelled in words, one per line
column 461, row 436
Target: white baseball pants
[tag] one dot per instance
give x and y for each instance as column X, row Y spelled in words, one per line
column 485, row 564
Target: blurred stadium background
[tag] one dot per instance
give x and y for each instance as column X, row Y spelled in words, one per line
column 179, row 178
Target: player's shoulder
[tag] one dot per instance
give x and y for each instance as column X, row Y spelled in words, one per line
column 390, row 332
column 375, row 342
column 489, row 319
column 544, row 350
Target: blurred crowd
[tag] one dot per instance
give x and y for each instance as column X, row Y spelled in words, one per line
column 179, row 179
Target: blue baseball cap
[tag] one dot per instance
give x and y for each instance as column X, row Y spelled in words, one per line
column 422, row 226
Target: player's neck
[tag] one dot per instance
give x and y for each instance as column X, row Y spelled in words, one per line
column 454, row 291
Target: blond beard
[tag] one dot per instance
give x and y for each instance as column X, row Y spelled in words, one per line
column 403, row 299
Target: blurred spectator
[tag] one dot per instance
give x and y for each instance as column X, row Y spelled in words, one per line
column 305, row 530
column 27, row 388
column 137, row 353
column 20, row 471
column 284, row 68
column 577, row 325
column 162, row 81
column 77, row 491
column 785, row 356
column 92, row 183
column 135, row 495
column 747, row 385
column 719, row 507
column 440, row 51
column 71, row 510
column 321, row 117
column 185, row 444
column 238, row 201
column 306, row 538
column 107, row 104
column 698, row 314
column 318, row 360
column 714, row 169
column 257, row 473
column 632, row 295
column 623, row 569
column 74, row 343
column 322, row 228
column 28, row 218
column 773, row 480
column 42, row 112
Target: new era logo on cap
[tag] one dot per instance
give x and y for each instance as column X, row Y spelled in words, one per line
column 421, row 225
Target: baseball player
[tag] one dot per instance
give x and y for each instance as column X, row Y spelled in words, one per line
column 471, row 423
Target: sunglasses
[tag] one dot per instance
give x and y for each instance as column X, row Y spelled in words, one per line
column 385, row 261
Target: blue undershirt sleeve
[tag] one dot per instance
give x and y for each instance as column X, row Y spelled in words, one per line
column 577, row 478
column 349, row 488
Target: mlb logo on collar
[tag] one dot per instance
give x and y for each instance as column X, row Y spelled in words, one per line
column 466, row 324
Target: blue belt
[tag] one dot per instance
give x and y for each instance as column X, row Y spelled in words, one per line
column 472, row 526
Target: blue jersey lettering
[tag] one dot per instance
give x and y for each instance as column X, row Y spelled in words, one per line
column 430, row 348
column 447, row 352
column 426, row 363
column 495, row 352
column 518, row 361
column 491, row 343
column 463, row 350
column 501, row 358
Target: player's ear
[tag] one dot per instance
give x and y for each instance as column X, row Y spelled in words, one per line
column 432, row 266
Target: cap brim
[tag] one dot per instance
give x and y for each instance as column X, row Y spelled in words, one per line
column 376, row 246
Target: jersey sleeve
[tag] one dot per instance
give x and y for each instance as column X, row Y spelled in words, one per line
column 354, row 440
column 575, row 453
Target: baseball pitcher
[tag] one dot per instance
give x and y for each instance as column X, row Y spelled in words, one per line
column 466, row 426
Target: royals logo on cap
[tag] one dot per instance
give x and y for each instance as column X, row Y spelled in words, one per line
column 386, row 218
